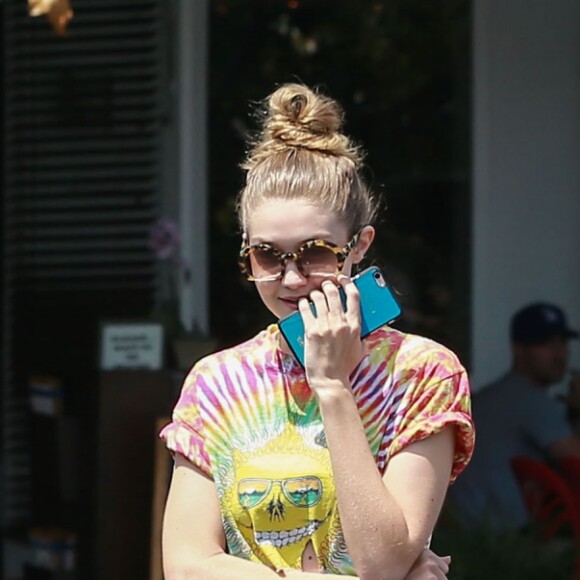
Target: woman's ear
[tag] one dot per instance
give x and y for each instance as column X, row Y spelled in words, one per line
column 366, row 237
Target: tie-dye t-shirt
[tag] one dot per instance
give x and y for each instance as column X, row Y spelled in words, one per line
column 248, row 419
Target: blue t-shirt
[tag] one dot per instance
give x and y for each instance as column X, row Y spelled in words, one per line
column 513, row 417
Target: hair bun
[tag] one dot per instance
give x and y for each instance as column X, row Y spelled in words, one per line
column 297, row 117
column 297, row 114
column 301, row 153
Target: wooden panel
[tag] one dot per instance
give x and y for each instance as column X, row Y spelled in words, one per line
column 161, row 478
column 130, row 403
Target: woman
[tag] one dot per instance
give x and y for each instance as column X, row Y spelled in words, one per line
column 267, row 453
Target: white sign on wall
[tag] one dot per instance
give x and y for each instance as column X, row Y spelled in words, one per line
column 131, row 345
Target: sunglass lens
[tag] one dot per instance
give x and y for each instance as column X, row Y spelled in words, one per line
column 252, row 492
column 303, row 492
column 264, row 262
column 319, row 260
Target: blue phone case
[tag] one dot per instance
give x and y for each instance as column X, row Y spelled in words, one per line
column 377, row 304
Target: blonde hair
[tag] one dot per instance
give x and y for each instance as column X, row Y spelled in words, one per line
column 301, row 153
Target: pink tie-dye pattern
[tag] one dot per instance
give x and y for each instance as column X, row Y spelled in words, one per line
column 406, row 389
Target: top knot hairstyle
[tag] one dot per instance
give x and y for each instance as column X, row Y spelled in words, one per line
column 301, row 153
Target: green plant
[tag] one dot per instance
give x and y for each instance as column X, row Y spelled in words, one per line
column 484, row 554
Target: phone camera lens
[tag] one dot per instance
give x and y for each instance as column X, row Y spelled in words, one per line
column 379, row 279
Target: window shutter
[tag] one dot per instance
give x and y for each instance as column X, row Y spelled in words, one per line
column 84, row 173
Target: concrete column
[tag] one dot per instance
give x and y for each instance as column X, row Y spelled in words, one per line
column 192, row 31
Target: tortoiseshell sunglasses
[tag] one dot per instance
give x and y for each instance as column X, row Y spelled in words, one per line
column 265, row 263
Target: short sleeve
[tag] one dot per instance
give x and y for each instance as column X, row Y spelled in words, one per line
column 185, row 432
column 433, row 404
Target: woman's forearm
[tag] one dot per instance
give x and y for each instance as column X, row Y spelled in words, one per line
column 373, row 523
column 224, row 566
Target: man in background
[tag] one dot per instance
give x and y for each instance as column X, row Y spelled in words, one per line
column 517, row 416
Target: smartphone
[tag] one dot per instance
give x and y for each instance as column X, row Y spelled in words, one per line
column 378, row 307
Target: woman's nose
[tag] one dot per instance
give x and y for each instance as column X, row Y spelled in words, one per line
column 292, row 276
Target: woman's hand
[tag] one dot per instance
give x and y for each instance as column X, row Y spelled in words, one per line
column 332, row 344
column 429, row 566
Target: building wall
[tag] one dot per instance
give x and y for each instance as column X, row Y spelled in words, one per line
column 526, row 174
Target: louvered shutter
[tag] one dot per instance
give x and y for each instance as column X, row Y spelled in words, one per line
column 84, row 176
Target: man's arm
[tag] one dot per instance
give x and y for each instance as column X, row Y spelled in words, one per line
column 567, row 446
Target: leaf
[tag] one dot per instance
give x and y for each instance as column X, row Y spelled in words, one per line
column 59, row 12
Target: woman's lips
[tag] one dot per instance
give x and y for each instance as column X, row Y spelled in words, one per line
column 291, row 303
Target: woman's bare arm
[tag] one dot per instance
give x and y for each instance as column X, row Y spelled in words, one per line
column 386, row 521
column 194, row 540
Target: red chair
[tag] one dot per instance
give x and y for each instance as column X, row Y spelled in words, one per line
column 550, row 502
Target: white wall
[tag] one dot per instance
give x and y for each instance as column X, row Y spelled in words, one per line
column 526, row 174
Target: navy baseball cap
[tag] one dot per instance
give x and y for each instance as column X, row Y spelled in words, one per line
column 539, row 322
